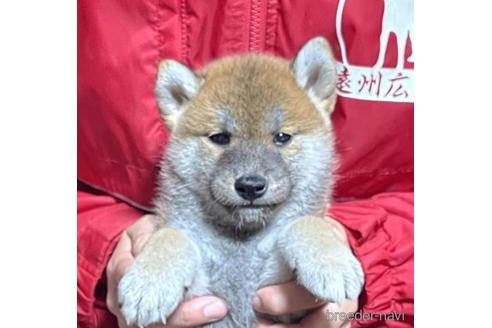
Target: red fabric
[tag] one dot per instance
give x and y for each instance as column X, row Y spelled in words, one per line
column 100, row 221
column 380, row 231
column 121, row 136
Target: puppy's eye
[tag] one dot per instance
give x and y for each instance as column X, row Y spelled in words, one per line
column 220, row 138
column 280, row 139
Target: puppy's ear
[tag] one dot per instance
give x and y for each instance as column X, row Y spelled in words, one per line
column 176, row 85
column 315, row 71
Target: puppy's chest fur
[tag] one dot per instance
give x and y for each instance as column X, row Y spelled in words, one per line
column 234, row 270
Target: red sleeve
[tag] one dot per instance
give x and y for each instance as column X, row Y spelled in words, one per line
column 380, row 231
column 100, row 221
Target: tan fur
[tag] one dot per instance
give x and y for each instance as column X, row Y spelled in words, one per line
column 315, row 230
column 250, row 86
column 165, row 248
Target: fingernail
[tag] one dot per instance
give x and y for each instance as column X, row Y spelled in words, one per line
column 257, row 302
column 214, row 310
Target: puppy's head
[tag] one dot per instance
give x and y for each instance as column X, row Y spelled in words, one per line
column 251, row 133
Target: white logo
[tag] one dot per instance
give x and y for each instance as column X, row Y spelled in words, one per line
column 377, row 82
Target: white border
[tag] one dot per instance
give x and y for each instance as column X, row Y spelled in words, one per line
column 38, row 163
column 38, row 168
column 453, row 179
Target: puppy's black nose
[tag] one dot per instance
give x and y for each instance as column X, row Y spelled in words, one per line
column 251, row 187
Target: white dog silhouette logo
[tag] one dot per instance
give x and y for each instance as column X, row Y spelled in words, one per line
column 378, row 82
column 397, row 18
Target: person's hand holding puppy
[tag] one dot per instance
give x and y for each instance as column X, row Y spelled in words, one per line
column 197, row 311
column 292, row 297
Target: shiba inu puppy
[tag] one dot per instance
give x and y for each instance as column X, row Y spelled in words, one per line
column 245, row 184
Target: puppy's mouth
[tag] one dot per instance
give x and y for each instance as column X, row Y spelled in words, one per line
column 251, row 206
column 244, row 220
column 232, row 206
column 254, row 206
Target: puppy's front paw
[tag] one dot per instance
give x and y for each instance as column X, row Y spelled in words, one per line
column 334, row 275
column 148, row 297
column 155, row 283
column 324, row 264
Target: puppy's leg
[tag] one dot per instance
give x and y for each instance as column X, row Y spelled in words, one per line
column 324, row 264
column 155, row 283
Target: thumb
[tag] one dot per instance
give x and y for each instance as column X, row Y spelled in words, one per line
column 140, row 232
column 120, row 261
column 139, row 241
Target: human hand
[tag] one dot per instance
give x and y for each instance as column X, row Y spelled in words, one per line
column 190, row 313
column 291, row 297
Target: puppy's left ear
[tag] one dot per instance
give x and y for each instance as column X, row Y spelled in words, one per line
column 315, row 71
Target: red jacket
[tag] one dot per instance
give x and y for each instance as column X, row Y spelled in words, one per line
column 121, row 136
